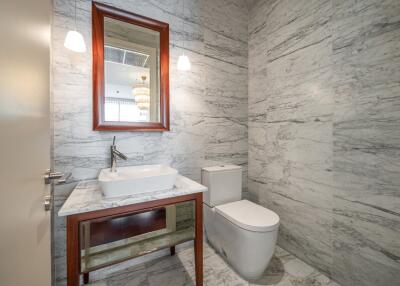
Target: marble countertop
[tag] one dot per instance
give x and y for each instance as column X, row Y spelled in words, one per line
column 87, row 196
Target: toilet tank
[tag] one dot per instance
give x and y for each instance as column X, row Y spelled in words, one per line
column 224, row 184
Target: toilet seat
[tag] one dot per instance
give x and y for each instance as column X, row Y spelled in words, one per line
column 249, row 216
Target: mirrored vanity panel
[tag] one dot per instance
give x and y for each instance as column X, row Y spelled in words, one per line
column 108, row 240
column 130, row 71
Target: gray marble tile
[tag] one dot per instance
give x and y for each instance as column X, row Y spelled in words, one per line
column 225, row 33
column 290, row 137
column 302, row 94
column 366, row 133
column 167, row 271
column 212, row 95
column 323, row 132
column 178, row 270
column 133, row 276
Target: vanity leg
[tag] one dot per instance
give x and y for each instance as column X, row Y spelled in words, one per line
column 198, row 241
column 172, row 250
column 86, row 278
column 73, row 251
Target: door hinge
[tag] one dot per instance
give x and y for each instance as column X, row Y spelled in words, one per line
column 60, row 178
column 47, row 203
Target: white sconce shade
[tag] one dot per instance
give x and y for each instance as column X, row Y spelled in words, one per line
column 183, row 63
column 74, row 42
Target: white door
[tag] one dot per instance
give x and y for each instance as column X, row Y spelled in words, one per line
column 24, row 142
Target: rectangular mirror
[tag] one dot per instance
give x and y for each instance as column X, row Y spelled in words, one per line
column 130, row 71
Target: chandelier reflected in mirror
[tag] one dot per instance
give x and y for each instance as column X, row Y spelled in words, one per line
column 141, row 94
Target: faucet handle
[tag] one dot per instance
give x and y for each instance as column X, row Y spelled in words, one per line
column 114, row 141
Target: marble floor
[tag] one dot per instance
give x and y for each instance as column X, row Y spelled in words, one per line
column 178, row 270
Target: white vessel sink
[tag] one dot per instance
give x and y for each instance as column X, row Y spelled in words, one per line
column 136, row 179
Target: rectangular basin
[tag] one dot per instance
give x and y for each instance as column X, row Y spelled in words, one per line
column 136, row 179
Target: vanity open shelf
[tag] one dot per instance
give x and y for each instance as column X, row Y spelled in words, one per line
column 109, row 240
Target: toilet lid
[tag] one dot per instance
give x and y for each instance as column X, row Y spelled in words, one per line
column 250, row 216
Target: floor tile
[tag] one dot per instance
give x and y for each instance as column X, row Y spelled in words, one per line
column 178, row 270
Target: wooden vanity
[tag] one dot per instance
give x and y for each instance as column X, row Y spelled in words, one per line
column 102, row 232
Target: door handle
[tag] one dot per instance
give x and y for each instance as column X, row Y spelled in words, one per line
column 61, row 178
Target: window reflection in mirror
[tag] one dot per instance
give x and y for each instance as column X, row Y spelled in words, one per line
column 131, row 70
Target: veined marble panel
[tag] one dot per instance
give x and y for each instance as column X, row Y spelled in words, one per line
column 290, row 147
column 283, row 270
column 208, row 103
column 366, row 50
column 225, row 36
column 324, row 132
column 321, row 116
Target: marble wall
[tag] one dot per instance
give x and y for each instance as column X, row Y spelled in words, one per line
column 324, row 136
column 306, row 92
column 208, row 104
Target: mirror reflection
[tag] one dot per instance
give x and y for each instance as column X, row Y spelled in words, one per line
column 131, row 71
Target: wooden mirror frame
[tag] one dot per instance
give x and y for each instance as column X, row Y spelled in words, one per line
column 99, row 12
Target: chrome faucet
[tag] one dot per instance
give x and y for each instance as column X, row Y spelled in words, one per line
column 114, row 154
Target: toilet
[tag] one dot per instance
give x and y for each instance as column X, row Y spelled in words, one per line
column 242, row 232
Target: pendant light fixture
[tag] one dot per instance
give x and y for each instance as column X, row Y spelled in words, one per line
column 74, row 40
column 183, row 63
column 183, row 60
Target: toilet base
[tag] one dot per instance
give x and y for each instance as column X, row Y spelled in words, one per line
column 246, row 251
